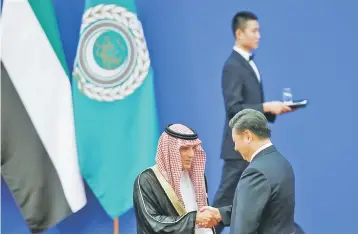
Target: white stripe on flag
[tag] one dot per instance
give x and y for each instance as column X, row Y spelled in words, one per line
column 45, row 91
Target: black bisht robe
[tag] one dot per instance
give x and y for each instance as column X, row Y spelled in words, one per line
column 157, row 207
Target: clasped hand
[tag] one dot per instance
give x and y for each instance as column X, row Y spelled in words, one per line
column 208, row 217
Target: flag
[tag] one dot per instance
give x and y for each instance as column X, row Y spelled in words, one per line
column 114, row 102
column 38, row 150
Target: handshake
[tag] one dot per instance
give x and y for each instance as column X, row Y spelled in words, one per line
column 208, row 217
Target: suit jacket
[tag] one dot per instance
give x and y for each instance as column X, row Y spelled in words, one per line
column 241, row 89
column 265, row 196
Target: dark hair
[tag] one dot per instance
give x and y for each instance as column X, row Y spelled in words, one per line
column 240, row 19
column 252, row 120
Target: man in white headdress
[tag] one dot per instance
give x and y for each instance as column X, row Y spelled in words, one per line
column 168, row 196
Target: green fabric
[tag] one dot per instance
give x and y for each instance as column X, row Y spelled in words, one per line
column 26, row 165
column 115, row 140
column 45, row 13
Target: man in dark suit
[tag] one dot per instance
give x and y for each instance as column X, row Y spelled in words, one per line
column 242, row 88
column 264, row 200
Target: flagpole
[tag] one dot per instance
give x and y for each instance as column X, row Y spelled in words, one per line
column 116, row 225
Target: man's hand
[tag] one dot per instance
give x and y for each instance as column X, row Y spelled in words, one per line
column 214, row 211
column 205, row 219
column 276, row 107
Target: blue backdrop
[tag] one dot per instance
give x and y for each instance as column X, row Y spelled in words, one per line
column 309, row 46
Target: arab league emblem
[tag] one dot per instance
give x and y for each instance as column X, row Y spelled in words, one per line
column 112, row 57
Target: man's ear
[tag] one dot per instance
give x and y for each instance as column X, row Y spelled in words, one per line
column 248, row 136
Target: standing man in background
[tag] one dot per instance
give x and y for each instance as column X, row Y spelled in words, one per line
column 242, row 88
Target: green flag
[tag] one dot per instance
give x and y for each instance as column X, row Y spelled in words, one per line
column 38, row 149
column 114, row 102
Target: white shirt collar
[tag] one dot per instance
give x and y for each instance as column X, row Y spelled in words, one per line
column 242, row 52
column 260, row 149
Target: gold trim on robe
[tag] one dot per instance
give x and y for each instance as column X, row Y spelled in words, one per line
column 169, row 191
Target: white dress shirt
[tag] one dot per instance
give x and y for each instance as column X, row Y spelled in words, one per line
column 260, row 149
column 247, row 55
column 189, row 198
